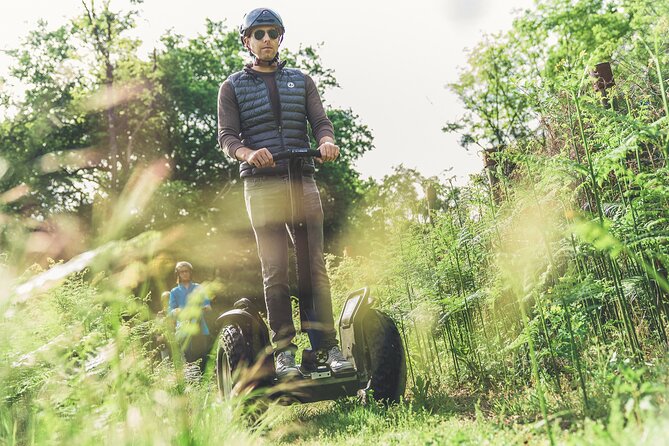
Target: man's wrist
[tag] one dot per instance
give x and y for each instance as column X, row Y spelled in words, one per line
column 241, row 153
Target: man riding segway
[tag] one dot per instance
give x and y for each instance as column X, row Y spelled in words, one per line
column 263, row 110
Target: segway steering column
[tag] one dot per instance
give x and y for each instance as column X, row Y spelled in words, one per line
column 300, row 235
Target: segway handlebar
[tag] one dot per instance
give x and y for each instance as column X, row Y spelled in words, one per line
column 296, row 153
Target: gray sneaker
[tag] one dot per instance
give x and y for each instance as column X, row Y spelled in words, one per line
column 285, row 365
column 337, row 362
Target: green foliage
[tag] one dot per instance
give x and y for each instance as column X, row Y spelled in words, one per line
column 572, row 233
column 191, row 73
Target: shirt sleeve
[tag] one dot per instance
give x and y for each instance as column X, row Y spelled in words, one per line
column 229, row 126
column 173, row 303
column 321, row 125
column 206, row 300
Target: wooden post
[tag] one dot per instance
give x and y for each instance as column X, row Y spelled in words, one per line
column 604, row 80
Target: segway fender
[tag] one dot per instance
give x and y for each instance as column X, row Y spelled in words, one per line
column 251, row 325
column 353, row 313
column 246, row 315
column 243, row 340
column 236, row 317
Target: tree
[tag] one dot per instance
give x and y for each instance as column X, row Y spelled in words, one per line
column 46, row 122
column 514, row 80
column 103, row 33
column 497, row 111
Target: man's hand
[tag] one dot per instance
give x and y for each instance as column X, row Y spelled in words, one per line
column 329, row 151
column 257, row 158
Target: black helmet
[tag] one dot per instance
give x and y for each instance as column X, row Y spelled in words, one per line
column 260, row 17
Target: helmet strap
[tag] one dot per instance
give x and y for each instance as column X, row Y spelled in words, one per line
column 267, row 63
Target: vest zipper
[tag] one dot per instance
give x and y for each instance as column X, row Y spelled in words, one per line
column 280, row 117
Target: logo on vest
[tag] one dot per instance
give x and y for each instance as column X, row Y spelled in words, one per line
column 291, row 85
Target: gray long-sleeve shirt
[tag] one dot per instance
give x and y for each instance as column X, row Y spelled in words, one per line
column 229, row 126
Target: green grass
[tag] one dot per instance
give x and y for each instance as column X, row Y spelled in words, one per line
column 336, row 423
column 77, row 368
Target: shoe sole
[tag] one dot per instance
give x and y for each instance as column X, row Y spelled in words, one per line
column 343, row 370
column 289, row 375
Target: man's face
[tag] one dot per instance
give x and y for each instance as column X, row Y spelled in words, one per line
column 261, row 43
column 184, row 275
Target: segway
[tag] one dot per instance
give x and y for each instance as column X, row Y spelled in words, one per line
column 369, row 338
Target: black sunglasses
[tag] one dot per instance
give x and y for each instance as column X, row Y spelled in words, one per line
column 260, row 33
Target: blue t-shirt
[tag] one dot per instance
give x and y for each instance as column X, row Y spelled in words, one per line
column 179, row 299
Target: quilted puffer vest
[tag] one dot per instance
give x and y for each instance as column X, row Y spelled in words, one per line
column 260, row 128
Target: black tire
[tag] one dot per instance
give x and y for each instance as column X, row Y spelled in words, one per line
column 387, row 362
column 234, row 354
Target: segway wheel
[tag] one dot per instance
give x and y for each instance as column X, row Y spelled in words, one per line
column 234, row 356
column 386, row 356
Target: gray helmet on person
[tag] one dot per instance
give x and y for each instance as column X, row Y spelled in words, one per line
column 260, row 17
column 182, row 265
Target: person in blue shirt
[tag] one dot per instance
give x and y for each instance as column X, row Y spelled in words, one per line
column 197, row 345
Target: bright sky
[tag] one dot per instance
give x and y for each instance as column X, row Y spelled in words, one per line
column 392, row 60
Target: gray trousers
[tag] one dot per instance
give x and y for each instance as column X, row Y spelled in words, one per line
column 268, row 206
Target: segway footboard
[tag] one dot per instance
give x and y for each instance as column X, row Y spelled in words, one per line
column 310, row 390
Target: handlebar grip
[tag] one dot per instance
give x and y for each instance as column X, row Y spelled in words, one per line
column 296, row 153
